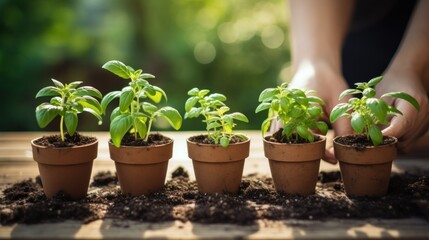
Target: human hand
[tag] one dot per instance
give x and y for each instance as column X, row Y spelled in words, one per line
column 412, row 124
column 328, row 84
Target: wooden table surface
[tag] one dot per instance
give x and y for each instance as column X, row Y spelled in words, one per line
column 16, row 164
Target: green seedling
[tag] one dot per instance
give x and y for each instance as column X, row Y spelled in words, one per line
column 68, row 100
column 134, row 114
column 219, row 124
column 298, row 112
column 368, row 112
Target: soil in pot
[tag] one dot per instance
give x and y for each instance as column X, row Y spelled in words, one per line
column 69, row 141
column 25, row 202
column 365, row 168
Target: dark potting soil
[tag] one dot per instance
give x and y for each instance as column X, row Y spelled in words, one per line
column 69, row 141
column 277, row 137
column 25, row 202
column 153, row 139
column 361, row 141
column 203, row 139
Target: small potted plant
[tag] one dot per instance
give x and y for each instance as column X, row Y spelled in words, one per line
column 366, row 156
column 65, row 160
column 141, row 157
column 294, row 152
column 218, row 156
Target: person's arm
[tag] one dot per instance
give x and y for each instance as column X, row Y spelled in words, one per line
column 406, row 73
column 318, row 29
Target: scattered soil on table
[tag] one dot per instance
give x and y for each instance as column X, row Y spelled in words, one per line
column 25, row 202
column 278, row 137
column 361, row 141
column 153, row 139
column 69, row 141
column 204, row 139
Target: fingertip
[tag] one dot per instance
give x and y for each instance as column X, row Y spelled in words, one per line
column 329, row 156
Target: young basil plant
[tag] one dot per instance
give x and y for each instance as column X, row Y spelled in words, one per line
column 134, row 114
column 368, row 112
column 219, row 124
column 68, row 100
column 298, row 112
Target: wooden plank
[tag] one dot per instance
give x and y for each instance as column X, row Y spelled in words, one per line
column 263, row 229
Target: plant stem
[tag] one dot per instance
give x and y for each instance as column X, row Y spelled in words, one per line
column 148, row 129
column 61, row 128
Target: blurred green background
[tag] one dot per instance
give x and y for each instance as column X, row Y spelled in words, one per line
column 237, row 48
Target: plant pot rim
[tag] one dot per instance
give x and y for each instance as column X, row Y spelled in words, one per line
column 366, row 147
column 322, row 138
column 140, row 147
column 72, row 147
column 216, row 145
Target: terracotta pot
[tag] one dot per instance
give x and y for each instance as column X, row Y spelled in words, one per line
column 218, row 169
column 141, row 169
column 66, row 169
column 295, row 167
column 365, row 172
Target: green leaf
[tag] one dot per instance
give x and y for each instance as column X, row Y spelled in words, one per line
column 48, row 91
column 265, row 125
column 239, row 116
column 213, row 125
column 90, row 102
column 172, row 116
column 149, row 108
column 127, row 96
column 377, row 108
column 193, row 113
column 193, row 92
column 140, row 126
column 57, row 83
column 56, row 101
column 203, row 92
column 368, row 92
column 88, row 91
column 338, row 111
column 45, row 113
column 160, row 91
column 314, row 99
column 268, row 94
column 217, row 96
column 304, row 133
column 315, row 111
column 322, row 126
column 190, row 103
column 375, row 81
column 348, row 92
column 263, row 106
column 357, row 122
column 403, row 96
column 394, row 110
column 117, row 68
column 116, row 112
column 224, row 141
column 147, row 75
column 95, row 114
column 74, row 84
column 375, row 135
column 108, row 98
column 288, row 129
column 155, row 96
column 119, row 127
column 71, row 120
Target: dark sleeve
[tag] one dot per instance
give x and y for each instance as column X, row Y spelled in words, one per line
column 375, row 33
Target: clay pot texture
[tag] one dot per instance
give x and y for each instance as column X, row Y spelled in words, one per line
column 365, row 172
column 218, row 169
column 66, row 169
column 141, row 169
column 295, row 167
